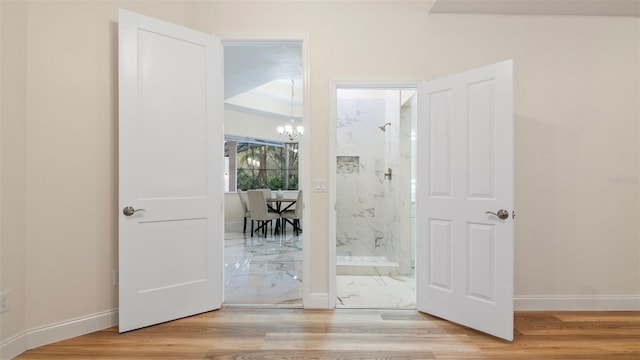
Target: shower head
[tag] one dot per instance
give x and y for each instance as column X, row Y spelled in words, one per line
column 384, row 127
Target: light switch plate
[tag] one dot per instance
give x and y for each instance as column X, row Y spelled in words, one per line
column 321, row 185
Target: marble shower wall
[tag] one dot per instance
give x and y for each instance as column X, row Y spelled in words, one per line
column 369, row 222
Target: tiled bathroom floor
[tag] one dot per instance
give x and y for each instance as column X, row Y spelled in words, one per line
column 363, row 291
column 261, row 271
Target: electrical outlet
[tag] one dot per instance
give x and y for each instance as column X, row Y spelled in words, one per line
column 5, row 301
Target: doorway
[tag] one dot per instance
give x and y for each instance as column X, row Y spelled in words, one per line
column 466, row 249
column 263, row 93
column 374, row 180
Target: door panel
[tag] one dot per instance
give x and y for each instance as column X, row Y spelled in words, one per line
column 481, row 140
column 440, row 244
column 165, row 143
column 440, row 167
column 464, row 169
column 481, row 244
column 170, row 253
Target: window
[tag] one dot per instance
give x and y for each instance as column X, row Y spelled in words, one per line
column 263, row 92
column 261, row 165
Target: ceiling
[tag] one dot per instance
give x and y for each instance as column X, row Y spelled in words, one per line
column 258, row 77
column 273, row 99
column 538, row 7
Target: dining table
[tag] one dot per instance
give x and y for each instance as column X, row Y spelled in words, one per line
column 278, row 202
column 276, row 205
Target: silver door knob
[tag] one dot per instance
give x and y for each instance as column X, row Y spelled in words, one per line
column 501, row 214
column 129, row 210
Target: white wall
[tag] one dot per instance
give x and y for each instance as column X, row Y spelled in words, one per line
column 576, row 134
column 72, row 158
column 59, row 162
column 576, row 102
column 576, row 98
column 13, row 152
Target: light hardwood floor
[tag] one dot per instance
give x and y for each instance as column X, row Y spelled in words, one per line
column 242, row 333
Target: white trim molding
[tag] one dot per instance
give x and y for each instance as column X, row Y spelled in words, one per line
column 59, row 331
column 334, row 85
column 304, row 167
column 576, row 302
column 317, row 301
column 14, row 346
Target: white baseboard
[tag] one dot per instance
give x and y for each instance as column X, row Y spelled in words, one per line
column 13, row 346
column 236, row 226
column 51, row 333
column 576, row 302
column 317, row 301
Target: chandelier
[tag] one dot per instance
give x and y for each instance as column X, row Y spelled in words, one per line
column 290, row 129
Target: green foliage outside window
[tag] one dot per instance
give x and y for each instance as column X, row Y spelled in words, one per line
column 264, row 166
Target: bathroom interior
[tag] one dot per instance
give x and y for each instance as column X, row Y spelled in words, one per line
column 375, row 199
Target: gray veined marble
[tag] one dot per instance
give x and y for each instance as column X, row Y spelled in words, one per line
column 348, row 164
column 262, row 271
column 368, row 204
column 268, row 271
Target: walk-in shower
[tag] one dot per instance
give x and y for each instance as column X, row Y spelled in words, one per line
column 373, row 182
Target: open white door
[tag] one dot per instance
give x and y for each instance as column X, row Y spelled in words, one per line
column 465, row 169
column 170, row 253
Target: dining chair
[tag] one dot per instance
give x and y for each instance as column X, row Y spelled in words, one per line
column 293, row 215
column 259, row 212
column 268, row 194
column 246, row 212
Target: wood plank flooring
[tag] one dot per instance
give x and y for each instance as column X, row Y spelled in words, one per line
column 241, row 333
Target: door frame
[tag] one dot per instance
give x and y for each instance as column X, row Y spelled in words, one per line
column 304, row 179
column 333, row 142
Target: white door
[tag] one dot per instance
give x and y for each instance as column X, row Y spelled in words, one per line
column 170, row 253
column 465, row 169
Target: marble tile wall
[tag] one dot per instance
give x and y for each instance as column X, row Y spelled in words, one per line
column 368, row 221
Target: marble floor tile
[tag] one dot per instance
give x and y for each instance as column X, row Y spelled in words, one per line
column 375, row 291
column 262, row 271
column 268, row 271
